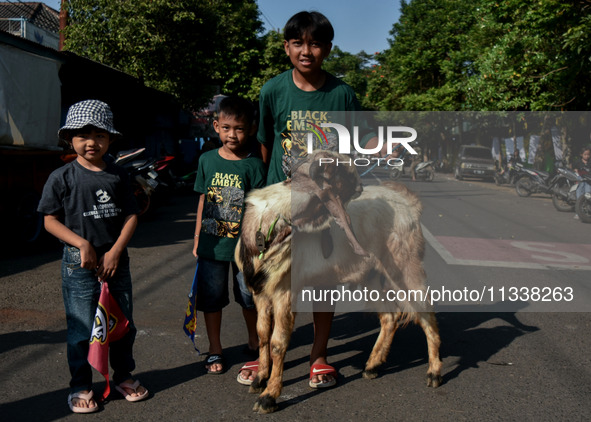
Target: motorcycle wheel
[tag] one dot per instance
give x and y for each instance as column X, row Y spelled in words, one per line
column 523, row 187
column 395, row 174
column 430, row 175
column 583, row 208
column 559, row 201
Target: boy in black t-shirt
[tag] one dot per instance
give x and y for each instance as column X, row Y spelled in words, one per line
column 88, row 205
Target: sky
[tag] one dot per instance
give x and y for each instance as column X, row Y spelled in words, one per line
column 358, row 24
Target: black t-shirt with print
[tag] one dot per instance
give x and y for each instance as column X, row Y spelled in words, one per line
column 93, row 204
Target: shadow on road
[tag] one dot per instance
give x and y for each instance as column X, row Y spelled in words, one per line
column 18, row 339
column 469, row 339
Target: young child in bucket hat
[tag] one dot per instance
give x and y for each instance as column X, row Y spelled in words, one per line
column 89, row 206
column 88, row 113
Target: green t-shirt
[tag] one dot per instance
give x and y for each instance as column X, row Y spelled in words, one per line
column 224, row 184
column 286, row 110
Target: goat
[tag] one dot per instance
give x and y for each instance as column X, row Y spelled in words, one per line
column 376, row 236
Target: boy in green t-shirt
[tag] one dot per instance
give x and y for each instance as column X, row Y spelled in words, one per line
column 304, row 95
column 224, row 176
column 300, row 96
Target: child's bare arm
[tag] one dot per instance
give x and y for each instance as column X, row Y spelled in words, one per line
column 198, row 223
column 109, row 262
column 87, row 253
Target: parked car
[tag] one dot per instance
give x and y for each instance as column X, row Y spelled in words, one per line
column 474, row 161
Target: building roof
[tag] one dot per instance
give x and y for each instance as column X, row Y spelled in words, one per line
column 37, row 13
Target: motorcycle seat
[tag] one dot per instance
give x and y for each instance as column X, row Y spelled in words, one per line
column 543, row 174
column 136, row 164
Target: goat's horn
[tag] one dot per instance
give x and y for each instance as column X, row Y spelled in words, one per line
column 337, row 210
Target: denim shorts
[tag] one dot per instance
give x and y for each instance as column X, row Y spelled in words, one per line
column 212, row 286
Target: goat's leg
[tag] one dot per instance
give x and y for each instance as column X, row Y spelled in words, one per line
column 428, row 323
column 379, row 353
column 264, row 331
column 284, row 322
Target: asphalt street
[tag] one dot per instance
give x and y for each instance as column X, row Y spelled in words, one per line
column 500, row 363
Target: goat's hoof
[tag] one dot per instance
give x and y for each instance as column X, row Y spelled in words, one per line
column 265, row 404
column 257, row 386
column 370, row 374
column 434, row 380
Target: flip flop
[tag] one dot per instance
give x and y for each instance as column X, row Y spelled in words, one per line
column 321, row 369
column 83, row 396
column 251, row 366
column 121, row 388
column 215, row 358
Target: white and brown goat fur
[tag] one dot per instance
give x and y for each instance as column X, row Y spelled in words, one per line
column 379, row 233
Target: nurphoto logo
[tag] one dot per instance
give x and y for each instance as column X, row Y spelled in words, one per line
column 391, row 138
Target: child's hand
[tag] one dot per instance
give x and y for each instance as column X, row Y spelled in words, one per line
column 88, row 256
column 195, row 245
column 107, row 265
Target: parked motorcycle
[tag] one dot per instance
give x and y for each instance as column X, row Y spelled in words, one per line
column 144, row 178
column 509, row 176
column 423, row 171
column 583, row 204
column 564, row 191
column 537, row 181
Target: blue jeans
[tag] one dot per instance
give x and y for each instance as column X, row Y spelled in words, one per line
column 212, row 286
column 81, row 291
column 583, row 188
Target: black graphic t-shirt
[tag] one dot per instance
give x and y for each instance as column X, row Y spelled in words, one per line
column 224, row 184
column 93, row 204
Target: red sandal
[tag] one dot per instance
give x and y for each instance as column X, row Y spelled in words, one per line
column 251, row 366
column 322, row 369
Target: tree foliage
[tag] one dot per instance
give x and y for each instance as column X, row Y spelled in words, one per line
column 427, row 58
column 273, row 62
column 443, row 54
column 187, row 47
column 532, row 56
column 486, row 55
column 351, row 68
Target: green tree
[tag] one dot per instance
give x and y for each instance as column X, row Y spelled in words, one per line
column 237, row 57
column 351, row 68
column 274, row 61
column 532, row 56
column 428, row 58
column 188, row 48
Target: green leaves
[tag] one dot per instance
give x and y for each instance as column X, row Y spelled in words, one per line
column 486, row 55
column 189, row 48
column 443, row 55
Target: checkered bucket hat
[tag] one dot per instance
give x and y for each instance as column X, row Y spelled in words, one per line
column 89, row 113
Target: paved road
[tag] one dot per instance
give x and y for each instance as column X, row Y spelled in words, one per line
column 496, row 365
